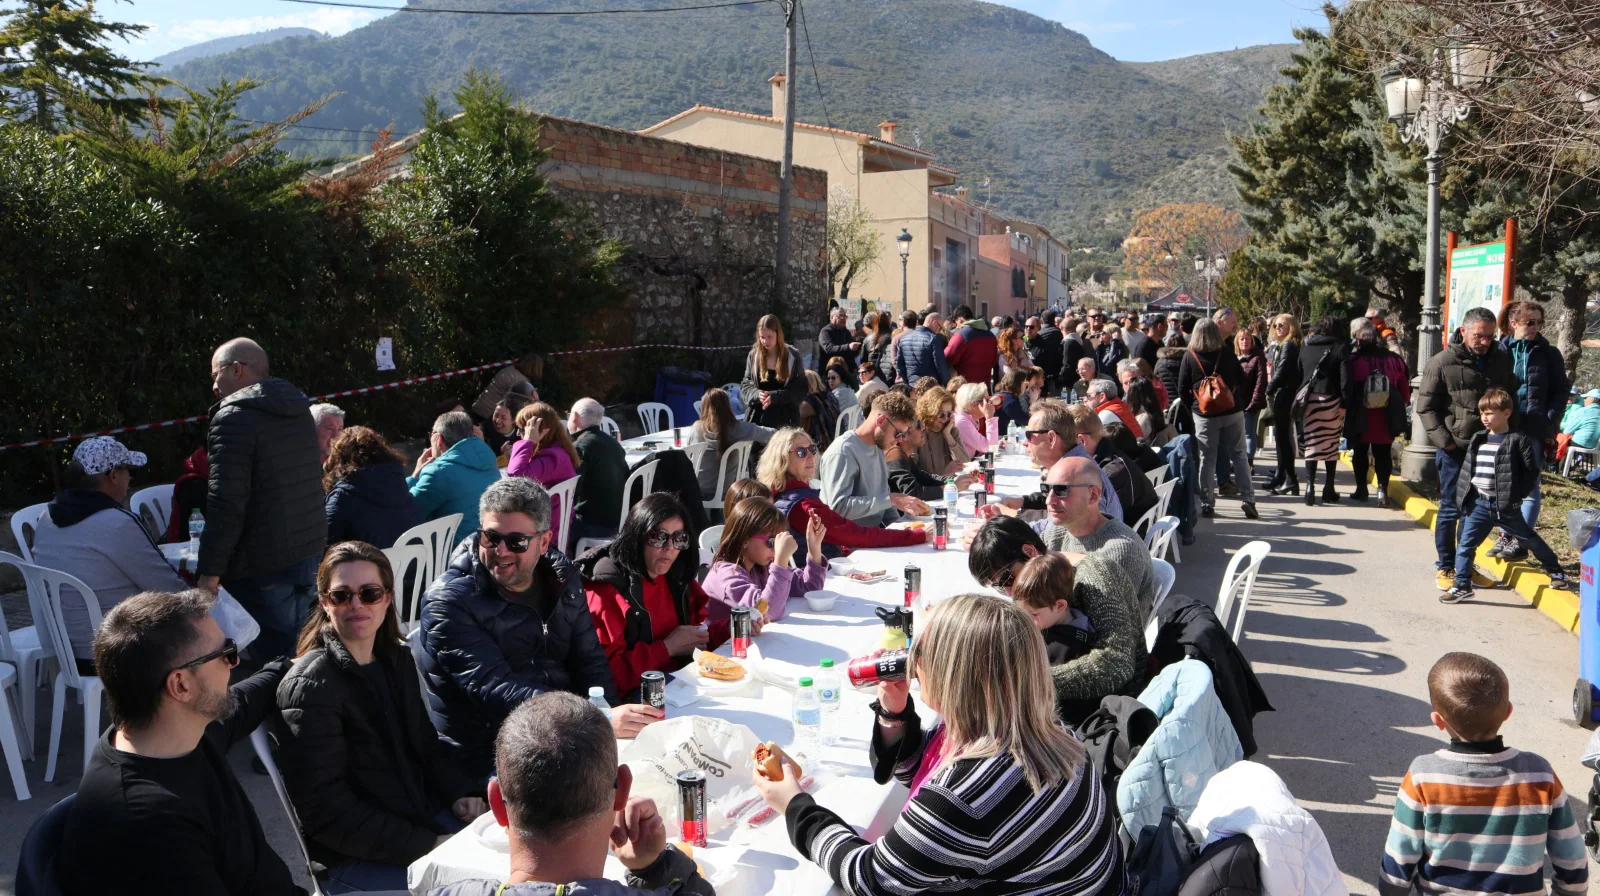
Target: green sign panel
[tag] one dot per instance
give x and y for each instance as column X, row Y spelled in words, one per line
column 1477, row 280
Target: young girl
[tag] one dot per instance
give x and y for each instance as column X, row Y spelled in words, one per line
column 751, row 567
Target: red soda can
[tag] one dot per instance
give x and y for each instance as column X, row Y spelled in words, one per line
column 941, row 528
column 653, row 690
column 692, row 807
column 979, row 498
column 913, row 583
column 988, row 480
column 739, row 631
column 885, row 665
column 677, row 437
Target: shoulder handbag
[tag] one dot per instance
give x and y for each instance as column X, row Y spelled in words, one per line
column 1212, row 396
column 1297, row 410
column 1161, row 857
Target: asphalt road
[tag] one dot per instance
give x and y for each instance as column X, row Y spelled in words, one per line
column 1342, row 629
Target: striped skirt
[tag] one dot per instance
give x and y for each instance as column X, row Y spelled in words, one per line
column 1321, row 428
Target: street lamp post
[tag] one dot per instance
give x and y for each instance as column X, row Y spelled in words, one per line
column 1033, row 280
column 1426, row 110
column 1212, row 271
column 904, row 241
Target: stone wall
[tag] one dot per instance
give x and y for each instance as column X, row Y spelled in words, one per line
column 702, row 229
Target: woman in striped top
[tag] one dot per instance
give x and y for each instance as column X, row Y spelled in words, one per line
column 1003, row 799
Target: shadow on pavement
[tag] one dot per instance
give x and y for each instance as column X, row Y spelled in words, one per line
column 1327, row 659
column 1261, row 622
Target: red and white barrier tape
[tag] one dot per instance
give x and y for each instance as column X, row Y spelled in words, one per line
column 363, row 391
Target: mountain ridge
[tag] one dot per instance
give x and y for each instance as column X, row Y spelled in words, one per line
column 220, row 45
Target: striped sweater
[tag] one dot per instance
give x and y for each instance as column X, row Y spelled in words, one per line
column 974, row 826
column 1481, row 819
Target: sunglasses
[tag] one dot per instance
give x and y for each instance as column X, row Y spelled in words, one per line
column 229, row 652
column 660, row 538
column 803, row 451
column 946, row 415
column 1003, row 582
column 515, row 542
column 1064, row 489
column 1533, row 322
column 367, row 594
column 764, row 539
column 1032, row 434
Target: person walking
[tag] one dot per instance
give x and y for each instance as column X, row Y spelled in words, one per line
column 836, row 341
column 1322, row 373
column 774, row 381
column 1376, row 393
column 877, row 345
column 1253, row 362
column 1283, row 381
column 1541, row 396
column 1047, row 348
column 1210, row 384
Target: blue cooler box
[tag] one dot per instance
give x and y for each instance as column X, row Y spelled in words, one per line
column 679, row 389
column 1586, row 696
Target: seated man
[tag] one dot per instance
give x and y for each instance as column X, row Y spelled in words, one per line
column 507, row 621
column 1077, row 527
column 1052, row 434
column 159, row 809
column 855, row 476
column 1103, row 400
column 563, row 799
column 1135, row 494
column 453, row 472
column 329, row 419
column 88, row 532
column 602, row 471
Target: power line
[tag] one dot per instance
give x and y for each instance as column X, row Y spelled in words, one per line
column 528, row 12
column 826, row 115
column 313, row 127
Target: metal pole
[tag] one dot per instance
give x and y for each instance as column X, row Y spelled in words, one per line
column 1418, row 463
column 903, row 306
column 780, row 280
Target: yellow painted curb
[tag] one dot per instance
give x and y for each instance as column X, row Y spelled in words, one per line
column 1530, row 583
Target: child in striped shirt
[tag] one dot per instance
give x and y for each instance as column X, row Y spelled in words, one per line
column 1479, row 816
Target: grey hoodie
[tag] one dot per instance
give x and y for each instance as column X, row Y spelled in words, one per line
column 672, row 873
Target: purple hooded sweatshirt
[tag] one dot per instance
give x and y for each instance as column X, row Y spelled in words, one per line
column 731, row 585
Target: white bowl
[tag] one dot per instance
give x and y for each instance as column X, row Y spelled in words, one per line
column 820, row 601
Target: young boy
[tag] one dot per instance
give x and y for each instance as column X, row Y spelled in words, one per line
column 1041, row 590
column 1479, row 816
column 1501, row 470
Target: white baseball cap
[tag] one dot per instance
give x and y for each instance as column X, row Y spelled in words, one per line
column 102, row 454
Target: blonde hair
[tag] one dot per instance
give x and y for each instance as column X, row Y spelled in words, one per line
column 931, row 403
column 780, row 349
column 959, row 648
column 970, row 395
column 1294, row 326
column 773, row 469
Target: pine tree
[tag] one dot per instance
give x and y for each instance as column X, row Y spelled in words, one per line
column 51, row 50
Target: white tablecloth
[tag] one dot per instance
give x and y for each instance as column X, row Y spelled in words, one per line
column 744, row 860
column 638, row 449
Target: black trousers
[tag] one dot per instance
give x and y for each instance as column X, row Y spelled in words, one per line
column 1382, row 462
column 1284, row 439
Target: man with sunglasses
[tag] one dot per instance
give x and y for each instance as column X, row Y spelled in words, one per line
column 855, row 475
column 1051, row 435
column 1077, row 527
column 159, row 809
column 507, row 621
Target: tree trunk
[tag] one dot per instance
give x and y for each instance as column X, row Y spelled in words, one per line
column 1572, row 321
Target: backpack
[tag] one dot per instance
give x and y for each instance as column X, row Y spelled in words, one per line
column 1112, row 735
column 1377, row 388
column 1162, row 857
column 1212, row 397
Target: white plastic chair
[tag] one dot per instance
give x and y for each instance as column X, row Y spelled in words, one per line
column 439, row 537
column 1158, row 538
column 849, row 419
column 610, row 428
column 44, row 598
column 9, row 730
column 698, row 413
column 1158, row 475
column 153, row 507
column 1142, row 524
column 1164, row 492
column 734, row 462
column 710, row 537
column 646, row 476
column 1589, row 456
column 262, row 744
column 1237, row 583
column 566, row 494
column 652, row 414
column 1165, row 575
column 23, row 524
column 31, row 653
column 409, row 563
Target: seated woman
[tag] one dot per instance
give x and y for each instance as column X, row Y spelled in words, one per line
column 502, row 432
column 367, row 495
column 366, row 772
column 743, row 488
column 1005, row 786
column 545, row 454
column 1101, row 589
column 972, row 415
column 837, row 378
column 941, row 451
column 646, row 605
column 719, row 428
column 819, row 412
column 1009, row 392
column 787, row 467
column 907, row 477
column 751, row 568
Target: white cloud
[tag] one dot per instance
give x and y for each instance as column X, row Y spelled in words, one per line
column 164, row 38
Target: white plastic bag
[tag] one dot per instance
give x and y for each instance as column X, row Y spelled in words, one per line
column 234, row 620
column 723, row 750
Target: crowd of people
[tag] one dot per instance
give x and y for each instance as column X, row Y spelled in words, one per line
column 389, row 744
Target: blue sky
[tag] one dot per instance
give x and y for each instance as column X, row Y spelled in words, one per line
column 1137, row 30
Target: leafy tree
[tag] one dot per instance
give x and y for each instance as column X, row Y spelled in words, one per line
column 51, row 50
column 1258, row 289
column 854, row 243
column 1164, row 241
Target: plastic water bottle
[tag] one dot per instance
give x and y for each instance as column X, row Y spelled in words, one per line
column 807, row 718
column 830, row 689
column 951, row 496
column 597, row 696
column 197, row 524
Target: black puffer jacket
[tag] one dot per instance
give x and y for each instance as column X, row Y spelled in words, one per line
column 483, row 655
column 1047, row 349
column 1544, row 375
column 1452, row 383
column 1326, row 374
column 1284, row 360
column 1196, row 366
column 373, row 505
column 264, row 501
column 1515, row 471
column 1169, row 361
column 365, row 770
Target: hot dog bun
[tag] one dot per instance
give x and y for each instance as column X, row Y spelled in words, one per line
column 769, row 761
column 718, row 668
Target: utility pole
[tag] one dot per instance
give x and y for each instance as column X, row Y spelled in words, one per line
column 780, row 278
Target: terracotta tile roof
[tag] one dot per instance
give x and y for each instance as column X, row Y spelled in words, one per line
column 799, row 124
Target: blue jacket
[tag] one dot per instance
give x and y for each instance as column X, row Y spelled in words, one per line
column 373, row 505
column 482, row 655
column 1582, row 422
column 1194, row 741
column 921, row 353
column 455, row 481
column 1542, row 385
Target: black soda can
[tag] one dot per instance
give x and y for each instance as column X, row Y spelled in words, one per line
column 692, row 806
column 739, row 631
column 913, row 583
column 941, row 528
column 979, row 498
column 988, row 480
column 653, row 690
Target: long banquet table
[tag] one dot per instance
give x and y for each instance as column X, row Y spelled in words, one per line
column 743, row 860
